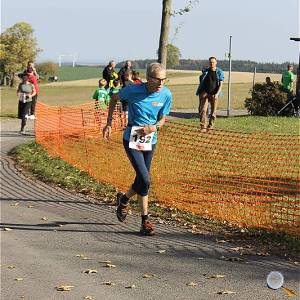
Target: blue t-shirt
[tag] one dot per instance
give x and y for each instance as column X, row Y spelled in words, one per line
column 145, row 108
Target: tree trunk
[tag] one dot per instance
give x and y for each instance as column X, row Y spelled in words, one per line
column 12, row 80
column 164, row 31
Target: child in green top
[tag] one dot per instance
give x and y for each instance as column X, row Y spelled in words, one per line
column 115, row 88
column 101, row 95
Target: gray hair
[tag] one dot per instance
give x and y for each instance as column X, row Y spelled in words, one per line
column 111, row 62
column 154, row 68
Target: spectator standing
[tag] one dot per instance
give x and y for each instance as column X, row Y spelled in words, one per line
column 123, row 70
column 115, row 87
column 109, row 74
column 136, row 77
column 101, row 95
column 148, row 105
column 288, row 79
column 209, row 90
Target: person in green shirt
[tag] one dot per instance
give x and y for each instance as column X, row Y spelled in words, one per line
column 101, row 95
column 288, row 79
column 115, row 88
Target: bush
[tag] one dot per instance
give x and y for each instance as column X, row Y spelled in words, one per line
column 267, row 99
column 47, row 68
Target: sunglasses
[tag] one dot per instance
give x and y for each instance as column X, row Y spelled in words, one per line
column 155, row 79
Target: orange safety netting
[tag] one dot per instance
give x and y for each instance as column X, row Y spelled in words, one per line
column 248, row 179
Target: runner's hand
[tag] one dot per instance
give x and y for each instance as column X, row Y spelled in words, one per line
column 107, row 132
column 147, row 129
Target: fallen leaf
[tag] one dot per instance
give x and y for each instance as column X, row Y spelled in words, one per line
column 105, row 262
column 234, row 258
column 30, row 206
column 88, row 298
column 236, row 249
column 216, row 276
column 7, row 229
column 161, row 251
column 200, row 258
column 86, row 258
column 90, row 271
column 222, row 241
column 130, row 286
column 108, row 283
column 15, row 204
column 263, row 254
column 44, row 219
column 289, row 292
column 110, row 266
column 191, row 283
column 64, row 288
column 147, row 275
column 225, row 292
column 11, row 267
column 19, row 279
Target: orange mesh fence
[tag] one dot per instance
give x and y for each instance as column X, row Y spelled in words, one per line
column 247, row 179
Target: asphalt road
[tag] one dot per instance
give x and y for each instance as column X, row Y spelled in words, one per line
column 57, row 235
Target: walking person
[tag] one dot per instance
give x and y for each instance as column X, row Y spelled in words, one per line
column 209, row 90
column 148, row 105
column 25, row 92
column 33, row 77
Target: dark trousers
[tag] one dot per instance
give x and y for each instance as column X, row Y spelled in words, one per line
column 141, row 162
column 23, row 110
column 33, row 103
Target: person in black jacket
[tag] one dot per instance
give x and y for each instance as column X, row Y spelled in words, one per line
column 109, row 73
column 123, row 70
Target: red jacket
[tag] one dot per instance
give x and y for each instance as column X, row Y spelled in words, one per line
column 32, row 79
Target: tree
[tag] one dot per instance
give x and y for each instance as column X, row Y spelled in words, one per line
column 164, row 31
column 18, row 46
column 173, row 55
column 165, row 26
column 47, row 68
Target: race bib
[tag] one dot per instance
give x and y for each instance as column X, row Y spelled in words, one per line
column 22, row 97
column 140, row 142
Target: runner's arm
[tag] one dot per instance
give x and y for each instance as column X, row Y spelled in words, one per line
column 112, row 104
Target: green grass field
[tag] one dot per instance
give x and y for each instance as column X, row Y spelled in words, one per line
column 184, row 96
column 67, row 73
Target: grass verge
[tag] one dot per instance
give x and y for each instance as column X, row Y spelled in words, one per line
column 36, row 162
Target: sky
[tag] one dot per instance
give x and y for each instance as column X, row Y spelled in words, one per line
column 98, row 30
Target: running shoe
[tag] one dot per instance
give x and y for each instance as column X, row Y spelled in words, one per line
column 147, row 228
column 122, row 209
